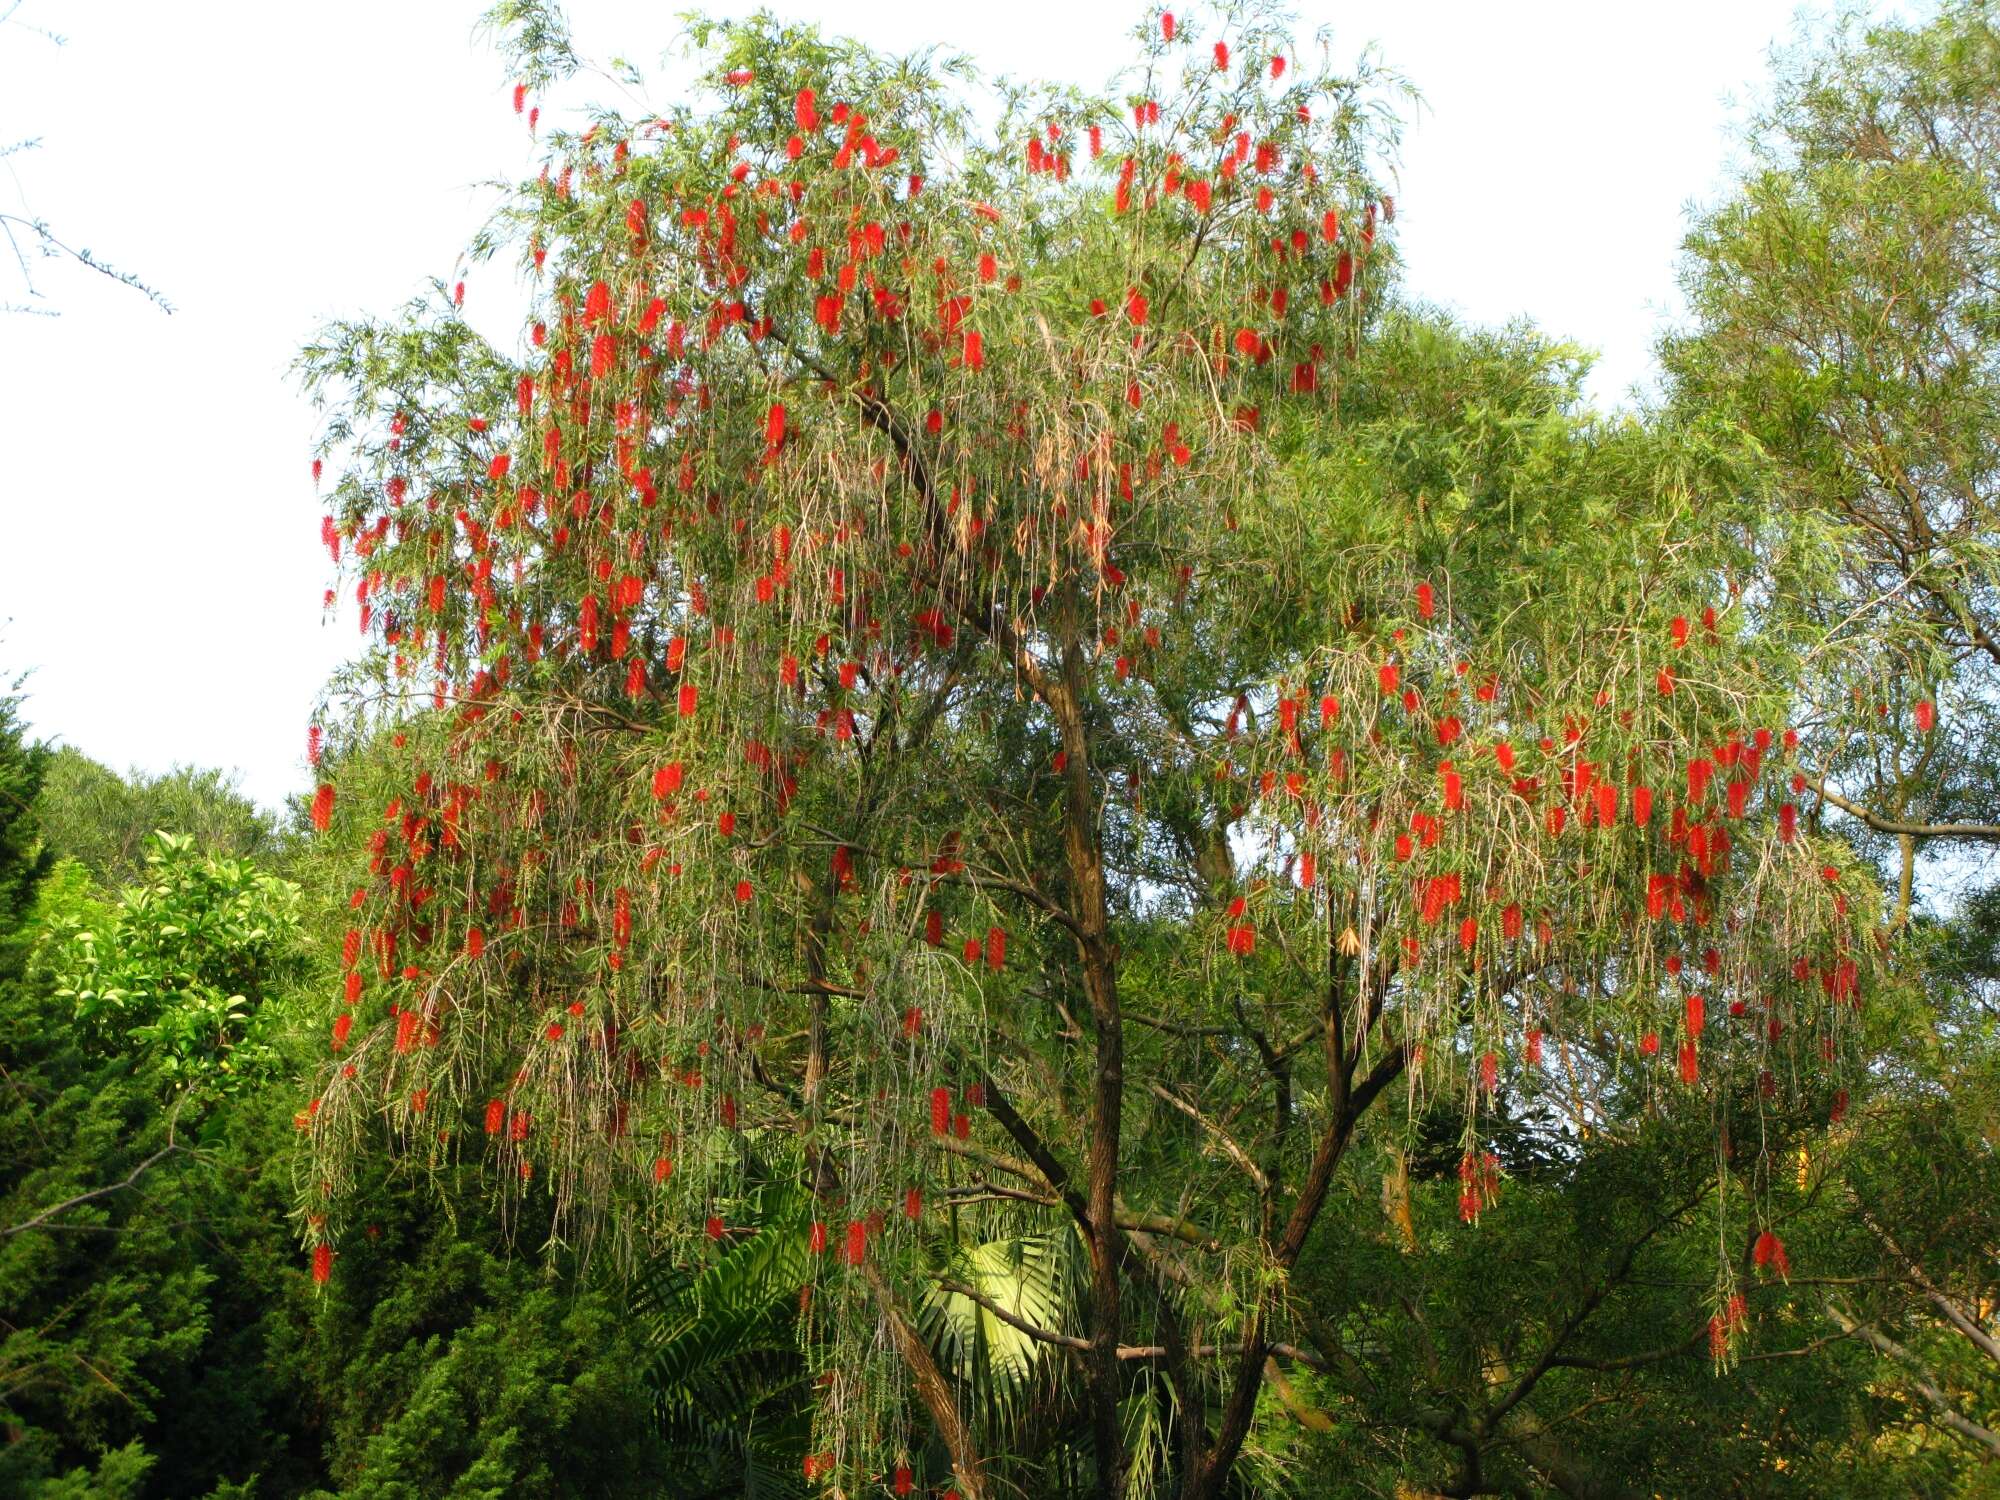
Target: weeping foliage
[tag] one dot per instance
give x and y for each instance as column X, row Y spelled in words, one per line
column 785, row 675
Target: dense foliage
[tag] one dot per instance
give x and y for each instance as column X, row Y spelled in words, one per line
column 1006, row 826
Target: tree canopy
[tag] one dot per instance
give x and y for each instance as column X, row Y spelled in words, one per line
column 921, row 665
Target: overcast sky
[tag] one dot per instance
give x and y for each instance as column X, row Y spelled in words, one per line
column 268, row 165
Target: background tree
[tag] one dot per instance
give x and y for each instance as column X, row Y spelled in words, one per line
column 888, row 551
column 1844, row 313
column 102, row 820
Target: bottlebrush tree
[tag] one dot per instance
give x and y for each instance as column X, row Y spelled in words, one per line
column 883, row 620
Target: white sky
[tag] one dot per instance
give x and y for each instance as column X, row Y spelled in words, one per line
column 269, row 164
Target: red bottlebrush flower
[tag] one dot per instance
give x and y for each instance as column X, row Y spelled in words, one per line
column 663, row 1168
column 1248, row 342
column 961, row 1126
column 1308, row 868
column 1534, row 1049
column 1389, row 677
column 1426, row 600
column 1201, row 194
column 857, row 1242
column 725, row 824
column 774, row 427
column 690, row 699
column 744, row 892
column 1642, row 806
column 1699, row 771
column 497, row 470
column 989, row 268
column 1769, row 1255
column 1489, row 1072
column 714, row 1227
column 1679, row 630
column 350, row 947
column 1136, row 306
column 458, row 295
column 1454, row 786
column 1697, row 1015
column 738, row 78
column 1468, row 934
column 913, row 1020
column 996, row 949
column 934, row 928
column 940, row 1110
column 1222, row 54
column 1665, row 682
column 1510, row 922
column 816, row 1237
column 1690, row 1064
column 667, row 780
column 1096, row 134
column 1926, row 715
column 1788, row 823
column 1738, row 793
column 475, row 943
column 1277, row 67
column 496, row 1115
column 322, row 807
column 322, row 1264
column 603, row 355
column 905, row 1481
column 975, row 351
column 971, row 951
column 1607, row 803
column 805, row 111
column 520, row 97
column 1167, row 25
column 1242, row 940
column 913, row 1204
column 342, row 1024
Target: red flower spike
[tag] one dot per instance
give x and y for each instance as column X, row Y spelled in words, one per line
column 322, row 1269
